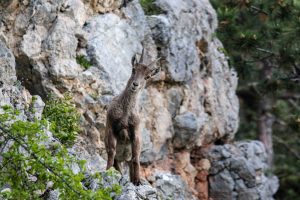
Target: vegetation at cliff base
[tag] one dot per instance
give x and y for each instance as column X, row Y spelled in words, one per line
column 33, row 162
column 262, row 41
column 63, row 118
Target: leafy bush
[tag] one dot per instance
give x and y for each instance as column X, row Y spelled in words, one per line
column 81, row 60
column 30, row 165
column 150, row 8
column 63, row 118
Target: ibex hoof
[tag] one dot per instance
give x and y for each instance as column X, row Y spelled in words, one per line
column 136, row 182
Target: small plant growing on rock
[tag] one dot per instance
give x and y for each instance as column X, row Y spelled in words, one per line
column 150, row 8
column 85, row 63
column 63, row 118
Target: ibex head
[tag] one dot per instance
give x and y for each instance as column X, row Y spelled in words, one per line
column 141, row 73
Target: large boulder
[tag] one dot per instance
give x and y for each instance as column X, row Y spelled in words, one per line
column 107, row 36
column 237, row 172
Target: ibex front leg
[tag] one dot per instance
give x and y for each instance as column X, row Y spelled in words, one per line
column 135, row 161
column 110, row 145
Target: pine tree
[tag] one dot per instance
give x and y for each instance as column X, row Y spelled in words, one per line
column 262, row 40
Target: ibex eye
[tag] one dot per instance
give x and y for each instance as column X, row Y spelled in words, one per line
column 147, row 77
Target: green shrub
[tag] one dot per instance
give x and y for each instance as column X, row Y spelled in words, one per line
column 63, row 118
column 29, row 163
column 150, row 8
column 85, row 63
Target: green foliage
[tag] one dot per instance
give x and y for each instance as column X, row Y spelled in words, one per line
column 63, row 118
column 85, row 63
column 150, row 8
column 29, row 163
column 262, row 41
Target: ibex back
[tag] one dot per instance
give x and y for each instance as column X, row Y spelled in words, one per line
column 122, row 134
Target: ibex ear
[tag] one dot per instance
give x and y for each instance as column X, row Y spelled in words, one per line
column 133, row 60
column 153, row 63
column 153, row 71
column 142, row 56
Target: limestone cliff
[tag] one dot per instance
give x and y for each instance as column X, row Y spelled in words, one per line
column 189, row 112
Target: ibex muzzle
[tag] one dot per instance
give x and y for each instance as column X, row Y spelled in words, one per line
column 122, row 134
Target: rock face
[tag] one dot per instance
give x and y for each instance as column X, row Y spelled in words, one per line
column 237, row 172
column 171, row 186
column 187, row 108
column 11, row 91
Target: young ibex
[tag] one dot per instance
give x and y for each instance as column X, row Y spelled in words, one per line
column 122, row 134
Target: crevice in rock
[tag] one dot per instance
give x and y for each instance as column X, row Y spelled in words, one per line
column 219, row 142
column 29, row 78
column 202, row 166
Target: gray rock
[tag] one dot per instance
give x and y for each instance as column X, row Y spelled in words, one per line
column 129, row 191
column 105, row 100
column 31, row 44
column 53, row 195
column 217, row 166
column 171, row 186
column 244, row 170
column 268, row 187
column 44, row 13
column 11, row 92
column 61, row 45
column 94, row 162
column 186, row 127
column 237, row 172
column 177, row 31
column 175, row 97
column 248, row 194
column 7, row 63
column 255, row 152
column 222, row 183
column 239, row 184
column 115, row 37
column 36, row 108
column 128, row 195
column 137, row 20
column 144, row 191
column 156, row 134
column 75, row 9
column 147, row 191
column 147, row 146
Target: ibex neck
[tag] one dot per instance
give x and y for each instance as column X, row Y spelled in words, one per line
column 129, row 100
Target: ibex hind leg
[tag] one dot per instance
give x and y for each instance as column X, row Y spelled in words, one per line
column 131, row 172
column 117, row 165
column 110, row 159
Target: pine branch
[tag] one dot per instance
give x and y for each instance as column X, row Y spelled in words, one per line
column 287, row 146
column 294, row 104
column 264, row 50
column 259, row 59
column 289, row 95
column 259, row 10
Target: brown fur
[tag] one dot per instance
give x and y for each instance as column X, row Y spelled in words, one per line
column 122, row 134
